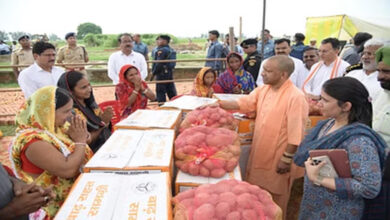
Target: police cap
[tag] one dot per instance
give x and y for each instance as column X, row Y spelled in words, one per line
column 24, row 36
column 247, row 42
column 70, row 34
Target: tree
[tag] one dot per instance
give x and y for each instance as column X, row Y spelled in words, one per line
column 86, row 28
column 3, row 35
column 91, row 40
column 54, row 37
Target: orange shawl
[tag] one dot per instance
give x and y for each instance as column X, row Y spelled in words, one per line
column 200, row 89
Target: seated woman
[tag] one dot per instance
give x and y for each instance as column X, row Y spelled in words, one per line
column 46, row 149
column 345, row 101
column 203, row 83
column 84, row 105
column 131, row 91
column 235, row 79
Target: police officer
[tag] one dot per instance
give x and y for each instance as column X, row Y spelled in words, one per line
column 72, row 53
column 253, row 59
column 164, row 71
column 22, row 55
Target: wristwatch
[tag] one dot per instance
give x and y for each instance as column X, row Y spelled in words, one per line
column 318, row 180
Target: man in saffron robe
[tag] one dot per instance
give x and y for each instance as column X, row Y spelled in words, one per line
column 282, row 112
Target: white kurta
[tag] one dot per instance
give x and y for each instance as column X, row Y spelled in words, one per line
column 34, row 77
column 119, row 59
column 295, row 77
column 381, row 116
column 302, row 77
column 314, row 85
column 369, row 81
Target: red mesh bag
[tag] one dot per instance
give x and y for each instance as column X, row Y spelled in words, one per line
column 211, row 117
column 206, row 151
column 228, row 199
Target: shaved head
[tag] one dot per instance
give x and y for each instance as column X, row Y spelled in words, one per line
column 284, row 63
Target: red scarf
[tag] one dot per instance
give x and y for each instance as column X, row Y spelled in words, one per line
column 125, row 88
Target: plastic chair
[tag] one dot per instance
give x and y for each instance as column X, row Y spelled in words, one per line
column 116, row 106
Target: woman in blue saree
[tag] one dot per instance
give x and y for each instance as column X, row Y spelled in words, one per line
column 345, row 101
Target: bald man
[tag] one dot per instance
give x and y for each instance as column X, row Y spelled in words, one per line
column 282, row 112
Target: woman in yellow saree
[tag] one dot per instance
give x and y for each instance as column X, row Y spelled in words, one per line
column 47, row 149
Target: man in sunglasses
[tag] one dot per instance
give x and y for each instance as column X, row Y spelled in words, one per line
column 253, row 59
column 310, row 57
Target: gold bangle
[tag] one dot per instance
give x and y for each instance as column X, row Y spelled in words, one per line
column 287, row 154
column 286, row 160
column 135, row 92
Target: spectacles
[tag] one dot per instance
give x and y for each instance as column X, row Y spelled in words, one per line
column 309, row 56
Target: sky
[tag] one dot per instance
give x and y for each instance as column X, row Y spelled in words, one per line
column 182, row 18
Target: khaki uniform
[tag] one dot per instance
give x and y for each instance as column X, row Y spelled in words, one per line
column 22, row 57
column 68, row 55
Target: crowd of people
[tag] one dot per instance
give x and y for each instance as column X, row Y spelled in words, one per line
column 60, row 125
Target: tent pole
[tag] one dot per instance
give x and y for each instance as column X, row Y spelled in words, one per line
column 341, row 26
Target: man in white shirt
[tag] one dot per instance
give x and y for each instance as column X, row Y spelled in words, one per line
column 381, row 106
column 126, row 56
column 329, row 67
column 310, row 57
column 368, row 75
column 42, row 72
column 282, row 47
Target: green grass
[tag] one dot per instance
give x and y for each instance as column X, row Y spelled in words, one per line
column 102, row 53
column 98, row 54
column 9, row 85
column 8, row 130
column 5, row 63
